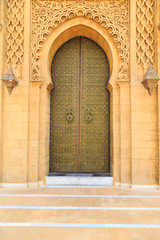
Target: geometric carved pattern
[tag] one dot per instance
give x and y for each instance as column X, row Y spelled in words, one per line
column 14, row 32
column 145, row 39
column 112, row 15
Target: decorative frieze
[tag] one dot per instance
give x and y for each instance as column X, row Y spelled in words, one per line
column 112, row 15
column 145, row 38
column 14, row 33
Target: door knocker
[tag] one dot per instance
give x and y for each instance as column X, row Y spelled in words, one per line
column 69, row 115
column 89, row 115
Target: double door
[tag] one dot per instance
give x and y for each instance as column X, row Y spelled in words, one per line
column 79, row 124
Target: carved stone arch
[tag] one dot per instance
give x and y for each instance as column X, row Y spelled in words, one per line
column 113, row 16
column 75, row 27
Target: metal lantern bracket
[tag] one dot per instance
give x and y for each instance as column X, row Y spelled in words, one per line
column 10, row 80
column 150, row 80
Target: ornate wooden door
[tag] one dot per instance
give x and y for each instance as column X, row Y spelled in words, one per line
column 79, row 129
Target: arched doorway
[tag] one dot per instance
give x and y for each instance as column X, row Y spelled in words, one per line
column 80, row 125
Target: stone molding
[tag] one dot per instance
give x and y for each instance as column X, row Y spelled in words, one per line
column 21, row 185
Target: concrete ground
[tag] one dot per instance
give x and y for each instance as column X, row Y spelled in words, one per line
column 79, row 213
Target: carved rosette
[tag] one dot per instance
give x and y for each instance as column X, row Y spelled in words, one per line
column 112, row 15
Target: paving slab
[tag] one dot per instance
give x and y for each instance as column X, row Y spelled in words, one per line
column 79, row 212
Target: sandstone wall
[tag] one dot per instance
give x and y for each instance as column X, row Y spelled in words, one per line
column 30, row 33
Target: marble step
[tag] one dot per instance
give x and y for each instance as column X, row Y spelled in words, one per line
column 79, row 179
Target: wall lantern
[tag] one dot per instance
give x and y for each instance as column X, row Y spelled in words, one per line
column 150, row 80
column 10, row 80
column 1, row 26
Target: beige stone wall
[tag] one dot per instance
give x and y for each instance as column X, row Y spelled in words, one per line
column 157, row 19
column 25, row 114
column 144, row 117
column 14, row 114
column 1, row 67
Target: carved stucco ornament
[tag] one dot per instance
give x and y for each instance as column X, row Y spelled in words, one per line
column 49, row 14
column 145, row 29
column 10, row 80
column 150, row 80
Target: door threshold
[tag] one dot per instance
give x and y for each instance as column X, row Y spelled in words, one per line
column 80, row 174
column 79, row 179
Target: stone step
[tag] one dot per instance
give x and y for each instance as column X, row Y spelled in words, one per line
column 63, row 212
column 80, row 179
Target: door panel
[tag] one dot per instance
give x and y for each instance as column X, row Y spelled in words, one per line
column 94, row 108
column 64, row 107
column 79, row 134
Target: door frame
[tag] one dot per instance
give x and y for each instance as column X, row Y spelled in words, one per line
column 81, row 26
